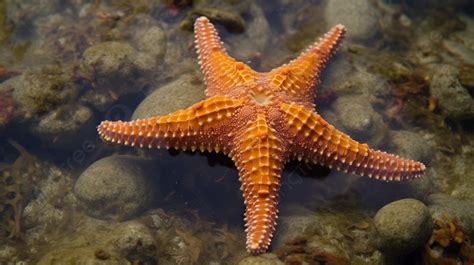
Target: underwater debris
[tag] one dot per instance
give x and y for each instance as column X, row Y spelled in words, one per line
column 448, row 244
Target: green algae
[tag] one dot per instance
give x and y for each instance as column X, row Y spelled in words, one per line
column 51, row 98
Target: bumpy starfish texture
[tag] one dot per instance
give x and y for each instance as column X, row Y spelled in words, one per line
column 261, row 120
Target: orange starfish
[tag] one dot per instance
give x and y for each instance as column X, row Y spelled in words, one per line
column 261, row 120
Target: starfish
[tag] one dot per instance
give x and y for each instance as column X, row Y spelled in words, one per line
column 261, row 120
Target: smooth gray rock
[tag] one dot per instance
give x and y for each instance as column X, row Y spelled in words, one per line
column 264, row 259
column 179, row 94
column 360, row 17
column 66, row 126
column 462, row 211
column 403, row 226
column 117, row 187
column 355, row 116
column 453, row 98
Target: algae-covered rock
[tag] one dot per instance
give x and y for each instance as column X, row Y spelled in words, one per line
column 116, row 65
column 134, row 240
column 333, row 236
column 453, row 99
column 179, row 94
column 40, row 90
column 116, row 187
column 109, row 59
column 403, row 226
column 53, row 203
column 442, row 205
column 66, row 126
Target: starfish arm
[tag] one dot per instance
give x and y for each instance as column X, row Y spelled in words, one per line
column 298, row 77
column 199, row 126
column 321, row 143
column 221, row 72
column 259, row 156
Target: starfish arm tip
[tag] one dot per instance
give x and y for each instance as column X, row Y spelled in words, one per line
column 201, row 19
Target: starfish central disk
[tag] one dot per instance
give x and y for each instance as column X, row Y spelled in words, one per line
column 261, row 120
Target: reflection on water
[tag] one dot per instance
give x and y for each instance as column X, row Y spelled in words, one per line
column 402, row 82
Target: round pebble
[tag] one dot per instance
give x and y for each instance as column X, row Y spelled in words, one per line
column 116, row 187
column 403, row 226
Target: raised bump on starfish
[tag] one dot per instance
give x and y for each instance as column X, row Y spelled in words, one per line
column 261, row 120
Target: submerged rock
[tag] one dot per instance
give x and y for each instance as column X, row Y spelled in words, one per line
column 116, row 187
column 403, row 226
column 360, row 18
column 413, row 145
column 39, row 91
column 152, row 42
column 116, row 65
column 179, row 94
column 358, row 82
column 454, row 100
column 356, row 117
column 66, row 126
column 135, row 241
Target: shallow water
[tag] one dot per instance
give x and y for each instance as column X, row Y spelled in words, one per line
column 402, row 81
